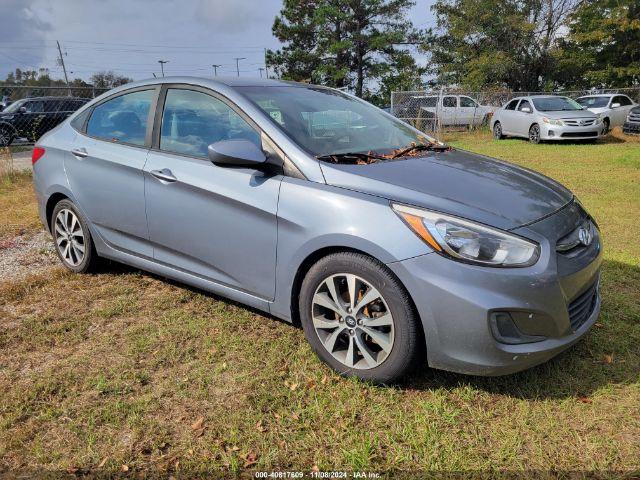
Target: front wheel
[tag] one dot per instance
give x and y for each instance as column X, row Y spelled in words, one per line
column 534, row 133
column 359, row 319
column 606, row 126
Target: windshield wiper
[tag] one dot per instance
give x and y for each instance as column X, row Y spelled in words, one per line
column 351, row 157
column 420, row 147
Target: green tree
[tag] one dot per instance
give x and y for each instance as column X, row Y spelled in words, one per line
column 603, row 45
column 358, row 44
column 109, row 79
column 497, row 43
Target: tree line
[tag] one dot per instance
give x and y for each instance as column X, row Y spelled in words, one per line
column 368, row 46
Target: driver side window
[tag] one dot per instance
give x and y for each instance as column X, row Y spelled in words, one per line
column 192, row 120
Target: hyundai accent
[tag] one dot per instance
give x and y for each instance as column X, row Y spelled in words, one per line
column 392, row 250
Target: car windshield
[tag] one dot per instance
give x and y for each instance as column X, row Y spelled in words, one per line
column 13, row 107
column 556, row 104
column 593, row 102
column 328, row 122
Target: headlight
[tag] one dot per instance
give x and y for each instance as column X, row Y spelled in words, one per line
column 468, row 241
column 552, row 121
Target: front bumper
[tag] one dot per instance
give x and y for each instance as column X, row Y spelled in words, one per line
column 555, row 132
column 456, row 302
column 631, row 128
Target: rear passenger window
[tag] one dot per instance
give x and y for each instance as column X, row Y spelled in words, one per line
column 122, row 119
column 192, row 120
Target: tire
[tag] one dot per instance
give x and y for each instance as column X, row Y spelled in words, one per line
column 72, row 238
column 606, row 126
column 6, row 137
column 497, row 131
column 534, row 134
column 383, row 336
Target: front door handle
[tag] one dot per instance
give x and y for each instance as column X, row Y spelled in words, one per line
column 164, row 175
column 79, row 153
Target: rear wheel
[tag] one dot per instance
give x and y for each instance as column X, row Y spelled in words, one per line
column 72, row 238
column 6, row 137
column 497, row 131
column 358, row 318
column 534, row 133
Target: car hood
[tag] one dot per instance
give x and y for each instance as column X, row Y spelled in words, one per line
column 570, row 114
column 459, row 183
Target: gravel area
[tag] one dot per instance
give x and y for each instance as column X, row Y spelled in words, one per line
column 26, row 254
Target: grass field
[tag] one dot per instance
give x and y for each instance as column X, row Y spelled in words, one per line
column 124, row 371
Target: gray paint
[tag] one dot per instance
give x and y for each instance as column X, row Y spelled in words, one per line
column 244, row 233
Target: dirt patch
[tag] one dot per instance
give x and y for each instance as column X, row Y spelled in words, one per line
column 26, row 254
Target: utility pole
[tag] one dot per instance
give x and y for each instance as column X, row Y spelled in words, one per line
column 162, row 62
column 64, row 68
column 261, row 70
column 215, row 70
column 237, row 59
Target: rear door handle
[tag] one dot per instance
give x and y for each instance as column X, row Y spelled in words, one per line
column 79, row 153
column 163, row 175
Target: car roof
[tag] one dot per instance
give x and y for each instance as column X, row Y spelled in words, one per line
column 601, row 95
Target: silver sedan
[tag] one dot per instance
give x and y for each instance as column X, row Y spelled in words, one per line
column 541, row 118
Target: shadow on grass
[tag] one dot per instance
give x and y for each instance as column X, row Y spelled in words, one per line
column 606, row 356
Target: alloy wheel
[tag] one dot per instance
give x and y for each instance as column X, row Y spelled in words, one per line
column 5, row 137
column 534, row 134
column 69, row 237
column 353, row 321
column 497, row 131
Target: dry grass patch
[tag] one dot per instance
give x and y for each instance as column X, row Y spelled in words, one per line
column 124, row 368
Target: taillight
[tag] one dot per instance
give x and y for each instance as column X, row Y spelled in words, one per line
column 36, row 155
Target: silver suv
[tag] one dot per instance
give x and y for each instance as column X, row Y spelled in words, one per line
column 540, row 118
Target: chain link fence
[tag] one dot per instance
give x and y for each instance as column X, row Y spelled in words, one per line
column 27, row 112
column 439, row 111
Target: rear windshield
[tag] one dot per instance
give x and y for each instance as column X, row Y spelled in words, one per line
column 593, row 102
column 556, row 104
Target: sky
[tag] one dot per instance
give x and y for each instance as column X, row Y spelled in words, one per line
column 129, row 37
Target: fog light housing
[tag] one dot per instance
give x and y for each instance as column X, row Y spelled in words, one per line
column 505, row 330
column 551, row 133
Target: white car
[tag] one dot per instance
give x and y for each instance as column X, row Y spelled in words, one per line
column 546, row 117
column 612, row 108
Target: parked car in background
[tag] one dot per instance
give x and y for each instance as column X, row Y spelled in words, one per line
column 546, row 117
column 449, row 110
column 613, row 109
column 30, row 118
column 312, row 205
column 632, row 125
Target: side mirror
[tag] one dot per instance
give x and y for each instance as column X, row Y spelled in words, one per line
column 241, row 153
column 22, row 110
column 525, row 109
column 615, row 105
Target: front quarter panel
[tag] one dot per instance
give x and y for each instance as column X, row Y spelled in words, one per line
column 314, row 216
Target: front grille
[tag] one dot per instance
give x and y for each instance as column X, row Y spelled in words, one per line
column 579, row 122
column 634, row 117
column 581, row 308
column 579, row 134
